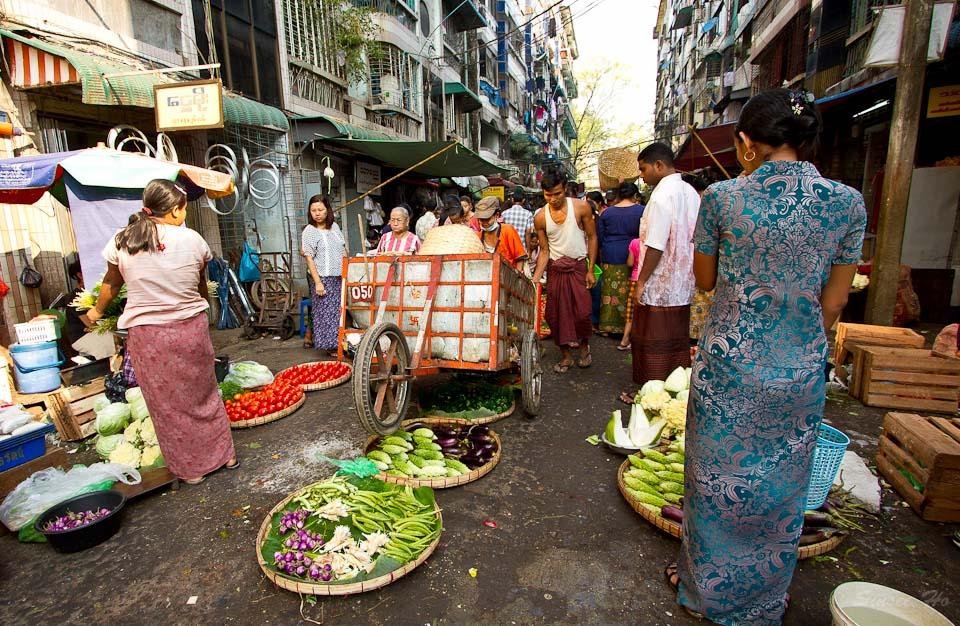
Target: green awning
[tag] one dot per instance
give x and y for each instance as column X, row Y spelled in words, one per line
column 464, row 15
column 458, row 161
column 307, row 128
column 137, row 90
column 465, row 99
column 246, row 112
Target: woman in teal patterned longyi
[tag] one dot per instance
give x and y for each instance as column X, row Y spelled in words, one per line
column 781, row 245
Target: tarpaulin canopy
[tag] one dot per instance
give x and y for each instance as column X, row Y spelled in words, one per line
column 102, row 187
column 24, row 180
column 719, row 141
column 458, row 161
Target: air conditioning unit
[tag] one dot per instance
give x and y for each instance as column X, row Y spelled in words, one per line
column 390, row 90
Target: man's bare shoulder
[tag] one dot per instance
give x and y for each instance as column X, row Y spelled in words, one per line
column 539, row 221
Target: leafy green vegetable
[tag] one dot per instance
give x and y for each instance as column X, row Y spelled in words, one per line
column 229, row 389
column 458, row 397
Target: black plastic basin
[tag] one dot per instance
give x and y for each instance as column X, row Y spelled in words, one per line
column 87, row 536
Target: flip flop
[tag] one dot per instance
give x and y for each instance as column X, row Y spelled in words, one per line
column 626, row 398
column 624, row 348
column 561, row 368
column 195, row 481
column 236, row 464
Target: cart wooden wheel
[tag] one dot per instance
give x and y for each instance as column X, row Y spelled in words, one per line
column 531, row 373
column 381, row 390
column 287, row 328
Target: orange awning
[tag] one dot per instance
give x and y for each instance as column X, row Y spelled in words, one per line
column 719, row 141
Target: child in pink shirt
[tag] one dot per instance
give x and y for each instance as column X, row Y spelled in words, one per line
column 635, row 261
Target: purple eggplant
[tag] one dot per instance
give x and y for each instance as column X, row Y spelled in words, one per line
column 446, row 442
column 479, row 429
column 672, row 513
column 817, row 518
column 412, row 427
column 821, row 534
column 445, row 433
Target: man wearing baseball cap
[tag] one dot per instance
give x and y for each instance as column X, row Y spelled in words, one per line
column 498, row 237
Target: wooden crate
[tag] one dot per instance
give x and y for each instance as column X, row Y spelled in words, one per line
column 928, row 449
column 867, row 335
column 855, row 380
column 911, row 379
column 71, row 409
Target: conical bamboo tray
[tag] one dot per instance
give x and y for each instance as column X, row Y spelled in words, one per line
column 441, row 482
column 327, row 589
column 675, row 530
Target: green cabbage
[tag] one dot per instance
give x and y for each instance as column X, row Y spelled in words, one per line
column 133, row 394
column 651, row 386
column 112, row 418
column 249, row 374
column 107, row 444
column 100, row 403
column 138, row 409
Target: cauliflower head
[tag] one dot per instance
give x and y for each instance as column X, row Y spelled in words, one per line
column 132, row 432
column 152, row 457
column 675, row 412
column 147, row 432
column 126, row 454
column 654, row 401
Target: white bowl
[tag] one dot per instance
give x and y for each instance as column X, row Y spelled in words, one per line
column 868, row 604
column 623, row 449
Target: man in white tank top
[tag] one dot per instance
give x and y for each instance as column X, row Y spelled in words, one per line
column 568, row 249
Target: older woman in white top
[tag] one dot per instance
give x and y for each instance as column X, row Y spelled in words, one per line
column 323, row 249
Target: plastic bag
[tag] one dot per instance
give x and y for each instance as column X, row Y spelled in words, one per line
column 53, row 485
column 249, row 264
column 249, row 374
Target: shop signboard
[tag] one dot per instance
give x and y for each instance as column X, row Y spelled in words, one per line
column 944, row 101
column 368, row 177
column 497, row 191
column 191, row 105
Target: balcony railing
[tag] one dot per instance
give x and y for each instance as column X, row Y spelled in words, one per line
column 399, row 9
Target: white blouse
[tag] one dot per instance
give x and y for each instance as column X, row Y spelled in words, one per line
column 325, row 247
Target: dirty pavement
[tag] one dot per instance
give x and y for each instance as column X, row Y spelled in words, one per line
column 566, row 547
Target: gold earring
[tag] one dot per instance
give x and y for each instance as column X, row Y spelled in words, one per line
column 749, row 156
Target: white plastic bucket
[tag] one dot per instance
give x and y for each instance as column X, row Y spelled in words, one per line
column 867, row 604
column 36, row 367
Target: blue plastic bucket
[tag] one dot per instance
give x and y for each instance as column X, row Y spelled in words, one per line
column 36, row 367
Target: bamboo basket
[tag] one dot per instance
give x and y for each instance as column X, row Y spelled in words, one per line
column 451, row 239
column 675, row 530
column 616, row 165
column 272, row 417
column 480, row 420
column 440, row 482
column 324, row 385
column 327, row 589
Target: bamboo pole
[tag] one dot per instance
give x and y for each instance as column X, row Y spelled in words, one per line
column 693, row 130
column 452, row 144
column 882, row 293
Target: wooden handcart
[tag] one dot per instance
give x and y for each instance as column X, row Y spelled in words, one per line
column 412, row 316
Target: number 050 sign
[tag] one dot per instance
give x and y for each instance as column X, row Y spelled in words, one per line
column 361, row 293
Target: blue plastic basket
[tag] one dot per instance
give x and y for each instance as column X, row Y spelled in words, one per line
column 827, row 458
column 22, row 448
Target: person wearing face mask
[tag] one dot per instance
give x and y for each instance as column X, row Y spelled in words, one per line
column 497, row 237
column 163, row 265
column 781, row 246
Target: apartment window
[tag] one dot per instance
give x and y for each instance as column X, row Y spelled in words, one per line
column 395, row 79
column 245, row 41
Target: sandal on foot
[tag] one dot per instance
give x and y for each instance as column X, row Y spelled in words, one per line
column 561, row 367
column 195, row 481
column 585, row 361
column 234, row 465
column 624, row 348
column 673, row 579
column 626, row 398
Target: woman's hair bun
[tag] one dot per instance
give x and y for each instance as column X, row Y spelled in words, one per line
column 782, row 116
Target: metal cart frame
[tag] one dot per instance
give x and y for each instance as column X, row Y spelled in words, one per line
column 396, row 297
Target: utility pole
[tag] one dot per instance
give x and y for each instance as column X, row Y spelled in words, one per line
column 882, row 295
